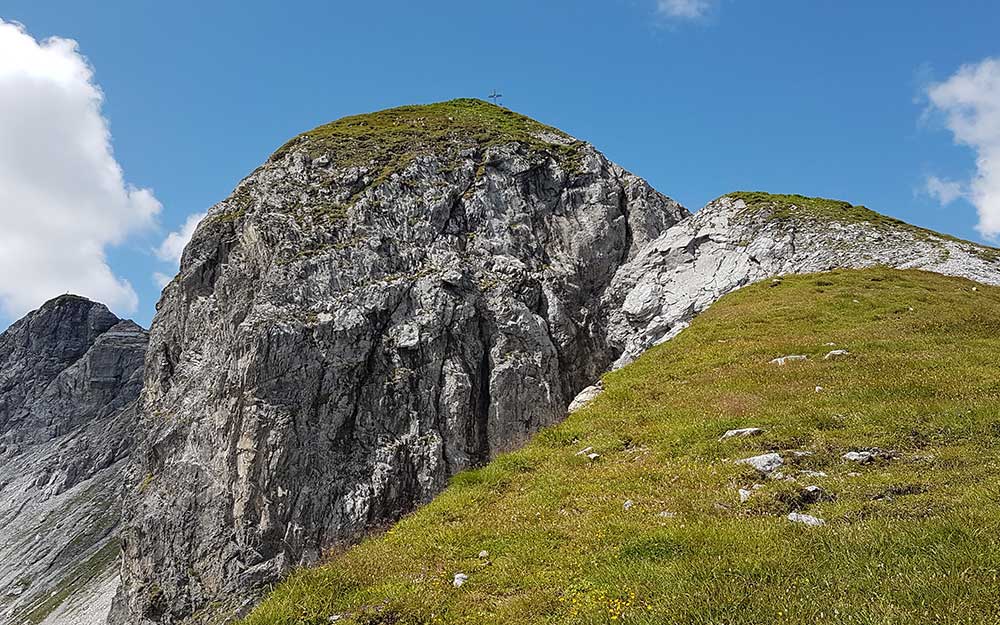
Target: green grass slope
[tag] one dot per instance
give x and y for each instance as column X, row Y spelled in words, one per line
column 913, row 537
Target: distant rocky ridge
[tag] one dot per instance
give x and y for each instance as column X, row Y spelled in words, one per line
column 390, row 299
column 743, row 238
column 70, row 374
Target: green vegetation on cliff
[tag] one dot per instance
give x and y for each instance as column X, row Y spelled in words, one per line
column 653, row 530
column 390, row 139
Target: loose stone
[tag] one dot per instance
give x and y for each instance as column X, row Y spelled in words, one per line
column 805, row 519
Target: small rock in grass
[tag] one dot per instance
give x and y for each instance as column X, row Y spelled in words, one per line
column 830, row 344
column 460, row 578
column 745, row 495
column 975, row 288
column 484, row 554
column 333, row 618
column 593, row 457
column 785, row 359
column 836, row 354
column 666, row 514
column 585, row 396
column 808, row 473
column 765, row 463
column 628, row 505
column 805, row 519
column 584, row 451
column 741, row 433
column 815, row 494
column 862, row 457
column 853, row 474
column 819, row 389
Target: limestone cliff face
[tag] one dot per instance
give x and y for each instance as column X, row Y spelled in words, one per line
column 389, row 300
column 70, row 373
column 748, row 237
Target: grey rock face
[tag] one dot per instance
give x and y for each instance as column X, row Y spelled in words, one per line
column 70, row 373
column 338, row 343
column 725, row 246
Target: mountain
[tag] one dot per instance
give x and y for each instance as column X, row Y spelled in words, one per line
column 397, row 298
column 70, row 374
column 389, row 300
column 879, row 504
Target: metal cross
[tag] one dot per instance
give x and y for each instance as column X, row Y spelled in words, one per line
column 496, row 97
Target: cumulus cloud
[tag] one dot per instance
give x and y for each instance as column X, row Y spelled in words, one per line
column 161, row 279
column 684, row 9
column 63, row 198
column 970, row 103
column 172, row 247
column 944, row 191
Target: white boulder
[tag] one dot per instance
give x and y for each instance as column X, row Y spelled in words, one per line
column 765, row 463
column 741, row 433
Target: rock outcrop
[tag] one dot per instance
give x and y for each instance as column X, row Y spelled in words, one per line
column 390, row 299
column 70, row 374
column 747, row 237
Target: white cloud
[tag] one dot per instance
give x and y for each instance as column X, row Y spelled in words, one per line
column 161, row 279
column 63, row 199
column 970, row 102
column 173, row 246
column 945, row 191
column 684, row 9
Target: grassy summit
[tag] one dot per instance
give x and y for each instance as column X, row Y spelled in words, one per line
column 389, row 139
column 791, row 207
column 785, row 206
column 913, row 537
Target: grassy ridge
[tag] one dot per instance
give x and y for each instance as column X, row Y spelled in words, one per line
column 787, row 206
column 911, row 538
column 791, row 206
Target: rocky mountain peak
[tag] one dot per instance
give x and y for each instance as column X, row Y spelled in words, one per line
column 35, row 349
column 70, row 373
column 390, row 299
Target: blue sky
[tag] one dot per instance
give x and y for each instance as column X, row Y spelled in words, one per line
column 820, row 98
